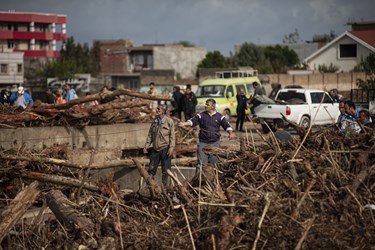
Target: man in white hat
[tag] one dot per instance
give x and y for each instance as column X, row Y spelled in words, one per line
column 21, row 98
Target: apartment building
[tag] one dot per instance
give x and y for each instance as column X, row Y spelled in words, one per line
column 34, row 34
column 25, row 37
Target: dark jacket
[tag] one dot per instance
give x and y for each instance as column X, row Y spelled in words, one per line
column 241, row 103
column 177, row 103
column 210, row 126
column 189, row 103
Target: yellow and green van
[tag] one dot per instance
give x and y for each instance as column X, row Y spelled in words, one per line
column 224, row 91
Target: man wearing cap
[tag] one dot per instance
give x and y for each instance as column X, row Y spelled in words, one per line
column 161, row 137
column 21, row 98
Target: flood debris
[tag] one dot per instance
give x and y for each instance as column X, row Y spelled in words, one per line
column 318, row 193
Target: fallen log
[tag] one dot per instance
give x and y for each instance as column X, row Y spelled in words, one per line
column 111, row 164
column 154, row 188
column 60, row 180
column 17, row 208
column 100, row 96
column 65, row 212
column 17, row 118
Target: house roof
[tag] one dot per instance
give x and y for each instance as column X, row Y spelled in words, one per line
column 368, row 36
column 365, row 38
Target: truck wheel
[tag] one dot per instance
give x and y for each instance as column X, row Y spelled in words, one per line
column 227, row 115
column 305, row 122
column 265, row 129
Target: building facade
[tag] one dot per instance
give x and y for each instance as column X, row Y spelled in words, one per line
column 34, row 34
column 125, row 65
column 346, row 50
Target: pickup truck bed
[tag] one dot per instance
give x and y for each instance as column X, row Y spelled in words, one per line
column 302, row 106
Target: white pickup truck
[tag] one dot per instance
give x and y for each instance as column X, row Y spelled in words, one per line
column 302, row 106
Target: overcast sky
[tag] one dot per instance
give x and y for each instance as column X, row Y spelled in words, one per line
column 213, row 24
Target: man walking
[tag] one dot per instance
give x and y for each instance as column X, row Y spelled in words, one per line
column 209, row 122
column 161, row 137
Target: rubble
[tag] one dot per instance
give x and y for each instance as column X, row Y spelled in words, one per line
column 315, row 194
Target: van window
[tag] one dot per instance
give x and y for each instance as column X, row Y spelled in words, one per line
column 229, row 90
column 291, row 97
column 211, row 91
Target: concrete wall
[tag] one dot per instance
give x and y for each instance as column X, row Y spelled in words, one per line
column 183, row 60
column 103, row 137
column 341, row 81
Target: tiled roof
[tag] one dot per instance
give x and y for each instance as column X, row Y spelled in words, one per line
column 368, row 36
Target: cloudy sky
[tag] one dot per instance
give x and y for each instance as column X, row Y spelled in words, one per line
column 213, row 24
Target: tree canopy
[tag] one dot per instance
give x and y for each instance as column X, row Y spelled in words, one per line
column 75, row 58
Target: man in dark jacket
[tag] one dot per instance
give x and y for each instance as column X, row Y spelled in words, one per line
column 209, row 122
column 177, row 103
column 241, row 108
column 189, row 104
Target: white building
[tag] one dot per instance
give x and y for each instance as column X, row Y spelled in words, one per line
column 346, row 50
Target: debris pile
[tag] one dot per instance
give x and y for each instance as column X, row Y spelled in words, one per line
column 128, row 107
column 316, row 194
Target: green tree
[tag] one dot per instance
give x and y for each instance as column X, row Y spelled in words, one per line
column 367, row 65
column 249, row 55
column 328, row 69
column 281, row 58
column 213, row 60
column 75, row 58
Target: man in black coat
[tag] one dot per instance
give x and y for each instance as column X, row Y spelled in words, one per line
column 241, row 109
column 177, row 103
column 189, row 104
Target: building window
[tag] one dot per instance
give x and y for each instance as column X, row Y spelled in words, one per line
column 19, row 68
column 11, row 44
column 3, row 68
column 348, row 50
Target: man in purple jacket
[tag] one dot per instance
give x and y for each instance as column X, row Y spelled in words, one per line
column 209, row 122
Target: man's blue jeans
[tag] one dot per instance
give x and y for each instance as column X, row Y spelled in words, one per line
column 204, row 159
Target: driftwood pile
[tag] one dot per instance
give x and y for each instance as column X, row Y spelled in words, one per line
column 128, row 107
column 316, row 194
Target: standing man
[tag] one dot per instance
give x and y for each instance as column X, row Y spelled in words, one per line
column 189, row 104
column 152, row 91
column 70, row 93
column 209, row 122
column 161, row 137
column 241, row 109
column 50, row 97
column 177, row 103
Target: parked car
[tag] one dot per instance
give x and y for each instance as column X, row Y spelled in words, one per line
column 302, row 106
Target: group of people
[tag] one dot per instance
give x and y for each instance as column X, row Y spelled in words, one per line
column 16, row 96
column 60, row 96
column 184, row 103
column 352, row 120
